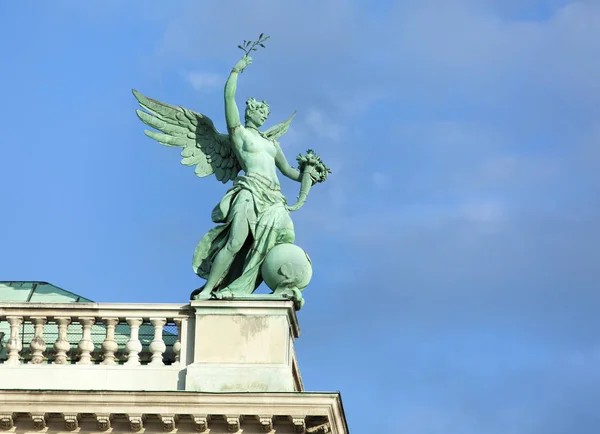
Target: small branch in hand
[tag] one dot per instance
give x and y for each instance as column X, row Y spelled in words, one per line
column 249, row 46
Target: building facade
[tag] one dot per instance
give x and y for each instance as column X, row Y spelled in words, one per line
column 68, row 364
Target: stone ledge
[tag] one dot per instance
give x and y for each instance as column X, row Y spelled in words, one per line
column 91, row 377
column 119, row 310
column 75, row 411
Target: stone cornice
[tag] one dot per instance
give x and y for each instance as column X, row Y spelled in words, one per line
column 305, row 412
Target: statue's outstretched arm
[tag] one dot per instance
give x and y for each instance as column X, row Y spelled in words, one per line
column 232, row 114
column 284, row 166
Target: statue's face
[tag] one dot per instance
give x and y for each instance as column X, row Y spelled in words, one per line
column 258, row 116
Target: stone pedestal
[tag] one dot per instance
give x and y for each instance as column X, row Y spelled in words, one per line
column 244, row 346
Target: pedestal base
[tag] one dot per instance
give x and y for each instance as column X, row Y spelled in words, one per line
column 239, row 378
column 244, row 346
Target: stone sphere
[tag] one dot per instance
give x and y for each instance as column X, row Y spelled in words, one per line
column 286, row 263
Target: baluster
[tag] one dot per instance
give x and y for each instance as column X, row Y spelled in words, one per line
column 177, row 344
column 110, row 346
column 38, row 344
column 62, row 345
column 134, row 346
column 157, row 346
column 14, row 344
column 86, row 345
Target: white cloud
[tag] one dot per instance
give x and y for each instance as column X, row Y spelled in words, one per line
column 519, row 169
column 380, row 180
column 465, row 40
column 584, row 359
column 322, row 125
column 485, row 211
column 358, row 103
column 205, row 80
column 473, row 47
column 292, row 140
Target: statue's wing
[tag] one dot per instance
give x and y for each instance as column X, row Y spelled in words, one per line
column 203, row 146
column 279, row 130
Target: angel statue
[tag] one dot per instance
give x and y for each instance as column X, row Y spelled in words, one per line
column 253, row 216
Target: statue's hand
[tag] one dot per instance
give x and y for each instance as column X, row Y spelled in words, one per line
column 243, row 63
column 312, row 172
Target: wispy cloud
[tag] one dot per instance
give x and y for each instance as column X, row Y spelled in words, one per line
column 205, row 81
column 323, row 126
column 380, row 180
column 485, row 211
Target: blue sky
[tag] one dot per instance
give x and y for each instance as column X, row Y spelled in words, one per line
column 455, row 246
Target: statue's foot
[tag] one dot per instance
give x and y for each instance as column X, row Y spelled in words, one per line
column 223, row 294
column 200, row 293
column 293, row 294
column 195, row 293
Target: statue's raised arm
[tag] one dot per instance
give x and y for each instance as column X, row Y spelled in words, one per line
column 232, row 114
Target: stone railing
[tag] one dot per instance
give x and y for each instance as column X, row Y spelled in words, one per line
column 206, row 345
column 44, row 335
column 91, row 333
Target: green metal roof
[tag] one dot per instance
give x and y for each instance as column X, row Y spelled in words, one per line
column 37, row 292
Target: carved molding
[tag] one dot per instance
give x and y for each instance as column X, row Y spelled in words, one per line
column 71, row 422
column 266, row 423
column 299, row 424
column 201, row 423
column 7, row 421
column 233, row 423
column 39, row 420
column 168, row 423
column 136, row 423
column 103, row 422
column 323, row 428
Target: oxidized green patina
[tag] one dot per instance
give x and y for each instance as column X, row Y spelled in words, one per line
column 253, row 216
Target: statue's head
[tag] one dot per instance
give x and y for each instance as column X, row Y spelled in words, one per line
column 257, row 112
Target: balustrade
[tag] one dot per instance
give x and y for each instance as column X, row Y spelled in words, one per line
column 92, row 333
column 62, row 345
column 134, row 345
column 209, row 346
column 38, row 345
column 157, row 346
column 109, row 346
column 14, row 345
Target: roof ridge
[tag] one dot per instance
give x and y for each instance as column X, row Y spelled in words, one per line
column 38, row 283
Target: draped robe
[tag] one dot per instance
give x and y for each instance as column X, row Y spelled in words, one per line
column 269, row 222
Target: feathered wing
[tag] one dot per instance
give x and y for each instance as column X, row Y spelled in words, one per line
column 203, row 146
column 279, row 130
